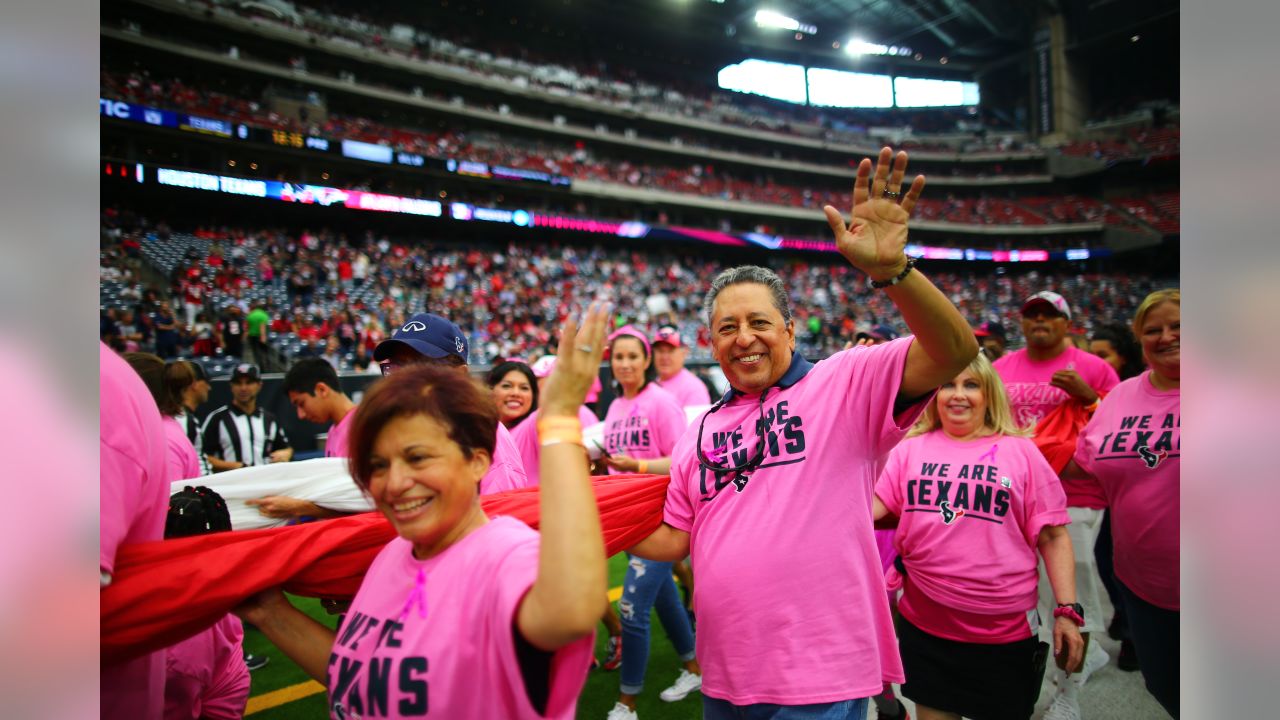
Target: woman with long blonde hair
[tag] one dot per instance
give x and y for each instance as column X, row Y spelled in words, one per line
column 976, row 500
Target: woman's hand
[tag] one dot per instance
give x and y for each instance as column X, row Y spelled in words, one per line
column 876, row 239
column 280, row 507
column 1068, row 645
column 577, row 363
column 622, row 463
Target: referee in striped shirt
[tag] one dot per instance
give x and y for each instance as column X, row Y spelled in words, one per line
column 243, row 434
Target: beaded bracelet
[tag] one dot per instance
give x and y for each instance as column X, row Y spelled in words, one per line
column 881, row 284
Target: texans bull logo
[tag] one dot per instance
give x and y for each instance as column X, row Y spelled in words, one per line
column 948, row 515
column 1151, row 458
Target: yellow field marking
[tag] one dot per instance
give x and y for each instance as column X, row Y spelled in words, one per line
column 276, row 698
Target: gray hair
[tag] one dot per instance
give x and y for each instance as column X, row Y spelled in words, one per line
column 748, row 274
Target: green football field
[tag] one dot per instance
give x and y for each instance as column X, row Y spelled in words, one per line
column 282, row 691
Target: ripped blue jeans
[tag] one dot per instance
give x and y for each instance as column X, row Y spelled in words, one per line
column 649, row 586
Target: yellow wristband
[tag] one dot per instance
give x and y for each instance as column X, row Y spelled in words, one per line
column 556, row 436
column 642, row 467
column 559, row 423
column 563, row 441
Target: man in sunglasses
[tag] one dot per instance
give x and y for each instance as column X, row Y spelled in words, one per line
column 772, row 493
column 429, row 338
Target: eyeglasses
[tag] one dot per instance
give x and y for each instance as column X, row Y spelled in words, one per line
column 387, row 367
column 757, row 457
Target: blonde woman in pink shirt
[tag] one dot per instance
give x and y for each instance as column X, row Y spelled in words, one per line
column 1132, row 448
column 462, row 615
column 976, row 501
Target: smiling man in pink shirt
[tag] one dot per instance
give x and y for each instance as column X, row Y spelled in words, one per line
column 772, row 492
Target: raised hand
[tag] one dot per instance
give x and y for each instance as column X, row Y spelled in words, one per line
column 577, row 362
column 875, row 241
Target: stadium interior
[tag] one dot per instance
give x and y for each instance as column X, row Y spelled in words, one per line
column 346, row 165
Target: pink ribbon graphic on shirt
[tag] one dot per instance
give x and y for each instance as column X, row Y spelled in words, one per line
column 418, row 595
column 990, row 454
column 717, row 454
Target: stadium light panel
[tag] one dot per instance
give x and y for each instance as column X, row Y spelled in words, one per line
column 837, row 88
column 761, row 77
column 927, row 92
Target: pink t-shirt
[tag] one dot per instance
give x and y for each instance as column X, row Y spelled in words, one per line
column 1132, row 446
column 507, row 471
column 180, row 455
column 971, row 513
column 1032, row 397
column 790, row 596
column 450, row 649
column 525, row 438
column 644, row 427
column 687, row 389
column 134, row 502
column 205, row 675
column 335, row 444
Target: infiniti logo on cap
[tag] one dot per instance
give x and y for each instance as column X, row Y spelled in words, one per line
column 413, row 326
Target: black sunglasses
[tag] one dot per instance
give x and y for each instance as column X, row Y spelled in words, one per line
column 757, row 457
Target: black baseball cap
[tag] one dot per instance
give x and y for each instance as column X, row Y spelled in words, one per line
column 248, row 370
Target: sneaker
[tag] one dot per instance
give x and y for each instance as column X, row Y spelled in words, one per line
column 255, row 662
column 1095, row 658
column 1128, row 660
column 612, row 653
column 622, row 712
column 685, row 684
column 1063, row 708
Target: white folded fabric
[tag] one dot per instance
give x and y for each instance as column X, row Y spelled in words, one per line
column 323, row 481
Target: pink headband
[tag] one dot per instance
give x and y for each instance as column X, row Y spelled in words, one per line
column 630, row 331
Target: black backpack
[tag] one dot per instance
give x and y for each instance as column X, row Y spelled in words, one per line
column 196, row 511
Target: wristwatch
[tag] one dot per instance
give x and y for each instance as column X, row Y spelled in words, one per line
column 1071, row 611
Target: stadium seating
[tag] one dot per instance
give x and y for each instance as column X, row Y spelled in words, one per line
column 510, row 300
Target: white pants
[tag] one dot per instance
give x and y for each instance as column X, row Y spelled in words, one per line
column 1083, row 530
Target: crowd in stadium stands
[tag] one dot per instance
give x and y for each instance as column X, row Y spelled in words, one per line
column 337, row 296
column 619, row 85
column 1149, row 143
column 579, row 162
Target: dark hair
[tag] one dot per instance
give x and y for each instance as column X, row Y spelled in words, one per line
column 459, row 404
column 305, row 373
column 1121, row 338
column 152, row 371
column 502, row 369
column 179, row 375
column 650, row 373
column 748, row 274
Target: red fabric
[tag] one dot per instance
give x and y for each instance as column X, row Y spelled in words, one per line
column 164, row 592
column 1057, row 431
